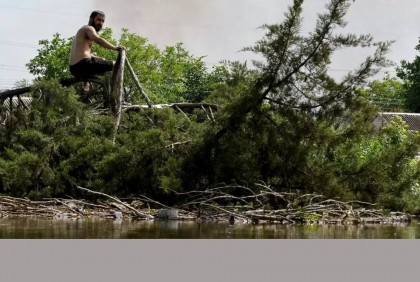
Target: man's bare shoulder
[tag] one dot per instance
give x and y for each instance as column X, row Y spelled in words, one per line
column 87, row 32
column 87, row 28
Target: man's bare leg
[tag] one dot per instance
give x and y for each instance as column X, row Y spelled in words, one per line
column 87, row 87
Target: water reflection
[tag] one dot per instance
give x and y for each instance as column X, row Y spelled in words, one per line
column 35, row 228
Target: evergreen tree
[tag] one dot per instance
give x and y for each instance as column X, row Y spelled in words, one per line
column 289, row 126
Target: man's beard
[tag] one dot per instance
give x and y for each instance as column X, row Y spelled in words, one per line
column 96, row 27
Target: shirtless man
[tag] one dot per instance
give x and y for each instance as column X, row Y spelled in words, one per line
column 82, row 62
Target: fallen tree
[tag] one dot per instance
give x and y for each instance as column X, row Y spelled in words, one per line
column 226, row 203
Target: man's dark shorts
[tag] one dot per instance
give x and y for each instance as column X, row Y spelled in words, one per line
column 91, row 67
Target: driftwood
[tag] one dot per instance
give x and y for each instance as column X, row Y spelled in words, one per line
column 267, row 205
column 69, row 208
column 136, row 212
column 212, row 205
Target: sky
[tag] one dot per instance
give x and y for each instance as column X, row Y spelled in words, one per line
column 216, row 29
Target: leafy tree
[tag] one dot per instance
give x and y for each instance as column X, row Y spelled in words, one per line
column 379, row 168
column 52, row 59
column 388, row 94
column 409, row 72
column 170, row 75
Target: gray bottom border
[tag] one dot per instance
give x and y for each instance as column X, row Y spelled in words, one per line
column 209, row 260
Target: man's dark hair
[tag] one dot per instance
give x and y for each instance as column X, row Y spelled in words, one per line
column 95, row 13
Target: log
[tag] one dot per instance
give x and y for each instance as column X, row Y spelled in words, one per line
column 117, row 93
column 138, row 213
column 10, row 93
column 137, row 82
column 185, row 115
column 175, row 106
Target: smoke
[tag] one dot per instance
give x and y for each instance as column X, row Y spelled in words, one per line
column 218, row 29
column 165, row 20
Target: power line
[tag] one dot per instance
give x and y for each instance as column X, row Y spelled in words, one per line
column 11, row 69
column 195, row 26
column 18, row 44
column 10, row 66
column 40, row 11
column 344, row 70
column 7, row 79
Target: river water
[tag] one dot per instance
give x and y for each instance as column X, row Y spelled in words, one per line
column 36, row 228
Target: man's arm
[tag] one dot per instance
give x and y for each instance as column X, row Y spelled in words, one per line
column 97, row 57
column 92, row 35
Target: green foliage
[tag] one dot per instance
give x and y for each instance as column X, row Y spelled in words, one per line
column 285, row 122
column 297, row 128
column 58, row 144
column 23, row 172
column 170, row 75
column 380, row 166
column 411, row 198
column 387, row 94
column 409, row 72
column 52, row 59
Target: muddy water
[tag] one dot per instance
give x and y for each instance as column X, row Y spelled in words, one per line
column 35, row 228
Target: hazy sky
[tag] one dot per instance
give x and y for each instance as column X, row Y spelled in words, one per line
column 217, row 29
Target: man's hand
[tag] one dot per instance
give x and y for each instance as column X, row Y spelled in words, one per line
column 120, row 48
